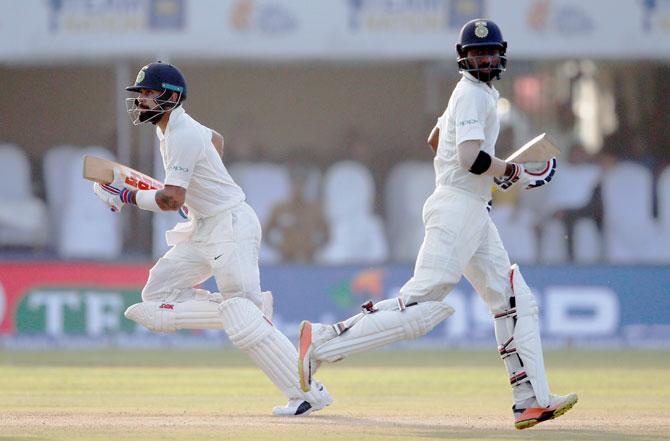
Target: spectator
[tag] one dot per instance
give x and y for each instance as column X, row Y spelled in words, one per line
column 297, row 228
column 578, row 194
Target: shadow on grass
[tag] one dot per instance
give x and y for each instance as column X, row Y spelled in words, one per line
column 536, row 434
column 403, row 430
column 20, row 438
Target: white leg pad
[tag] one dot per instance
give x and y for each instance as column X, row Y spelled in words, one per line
column 252, row 333
column 391, row 322
column 169, row 317
column 267, row 304
column 518, row 335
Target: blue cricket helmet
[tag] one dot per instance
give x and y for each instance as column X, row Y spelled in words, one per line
column 481, row 32
column 160, row 76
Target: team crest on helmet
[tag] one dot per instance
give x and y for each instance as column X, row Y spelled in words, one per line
column 140, row 75
column 481, row 30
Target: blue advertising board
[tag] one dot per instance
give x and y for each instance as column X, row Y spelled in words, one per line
column 577, row 303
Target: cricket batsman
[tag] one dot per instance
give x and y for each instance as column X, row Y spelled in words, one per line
column 460, row 239
column 221, row 239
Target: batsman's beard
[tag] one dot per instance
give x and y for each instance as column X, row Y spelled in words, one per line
column 150, row 115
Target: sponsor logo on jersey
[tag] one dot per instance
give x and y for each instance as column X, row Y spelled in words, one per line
column 467, row 122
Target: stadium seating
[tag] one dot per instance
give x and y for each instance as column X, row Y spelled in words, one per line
column 87, row 229
column 408, row 186
column 630, row 235
column 356, row 233
column 23, row 218
column 553, row 242
column 516, row 227
column 663, row 193
column 313, row 183
column 587, row 242
column 573, row 186
column 265, row 185
column 55, row 161
column 571, row 189
column 629, row 229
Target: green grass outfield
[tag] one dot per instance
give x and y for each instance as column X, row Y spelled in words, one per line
column 394, row 395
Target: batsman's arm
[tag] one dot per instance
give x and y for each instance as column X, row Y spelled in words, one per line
column 469, row 157
column 434, row 139
column 217, row 140
column 476, row 161
column 170, row 198
column 472, row 158
column 505, row 174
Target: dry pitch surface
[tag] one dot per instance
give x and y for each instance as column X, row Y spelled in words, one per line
column 453, row 395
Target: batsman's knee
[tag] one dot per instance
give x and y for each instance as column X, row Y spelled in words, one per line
column 433, row 293
column 517, row 294
column 244, row 322
column 151, row 294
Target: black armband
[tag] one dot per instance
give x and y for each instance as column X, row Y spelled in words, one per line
column 481, row 164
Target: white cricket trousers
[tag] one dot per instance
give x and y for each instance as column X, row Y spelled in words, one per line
column 225, row 246
column 460, row 239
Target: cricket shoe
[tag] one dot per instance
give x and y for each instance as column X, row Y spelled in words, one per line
column 310, row 336
column 300, row 407
column 528, row 416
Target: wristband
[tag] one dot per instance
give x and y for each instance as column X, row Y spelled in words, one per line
column 126, row 196
column 481, row 164
column 146, row 200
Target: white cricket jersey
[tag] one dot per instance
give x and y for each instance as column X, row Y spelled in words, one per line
column 470, row 115
column 192, row 162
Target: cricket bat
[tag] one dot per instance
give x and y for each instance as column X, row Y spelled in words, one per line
column 102, row 171
column 539, row 149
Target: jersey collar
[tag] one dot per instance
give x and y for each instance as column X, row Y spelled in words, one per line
column 467, row 76
column 174, row 116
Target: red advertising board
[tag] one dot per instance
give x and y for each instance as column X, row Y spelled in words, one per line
column 17, row 279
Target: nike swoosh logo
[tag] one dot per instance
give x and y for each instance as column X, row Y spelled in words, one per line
column 218, row 256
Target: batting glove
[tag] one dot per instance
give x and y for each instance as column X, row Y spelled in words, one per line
column 114, row 194
column 528, row 178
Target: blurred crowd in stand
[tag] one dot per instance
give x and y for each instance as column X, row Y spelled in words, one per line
column 359, row 208
column 356, row 205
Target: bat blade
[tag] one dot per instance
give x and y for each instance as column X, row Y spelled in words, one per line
column 98, row 169
column 539, row 149
column 102, row 171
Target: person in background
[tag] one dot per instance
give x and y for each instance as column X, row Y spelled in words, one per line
column 297, row 227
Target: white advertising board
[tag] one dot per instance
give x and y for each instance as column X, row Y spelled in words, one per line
column 53, row 30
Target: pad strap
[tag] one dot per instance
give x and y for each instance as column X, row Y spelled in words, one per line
column 392, row 321
column 507, row 348
column 396, row 304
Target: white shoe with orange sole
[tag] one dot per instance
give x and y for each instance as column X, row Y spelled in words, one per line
column 530, row 416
